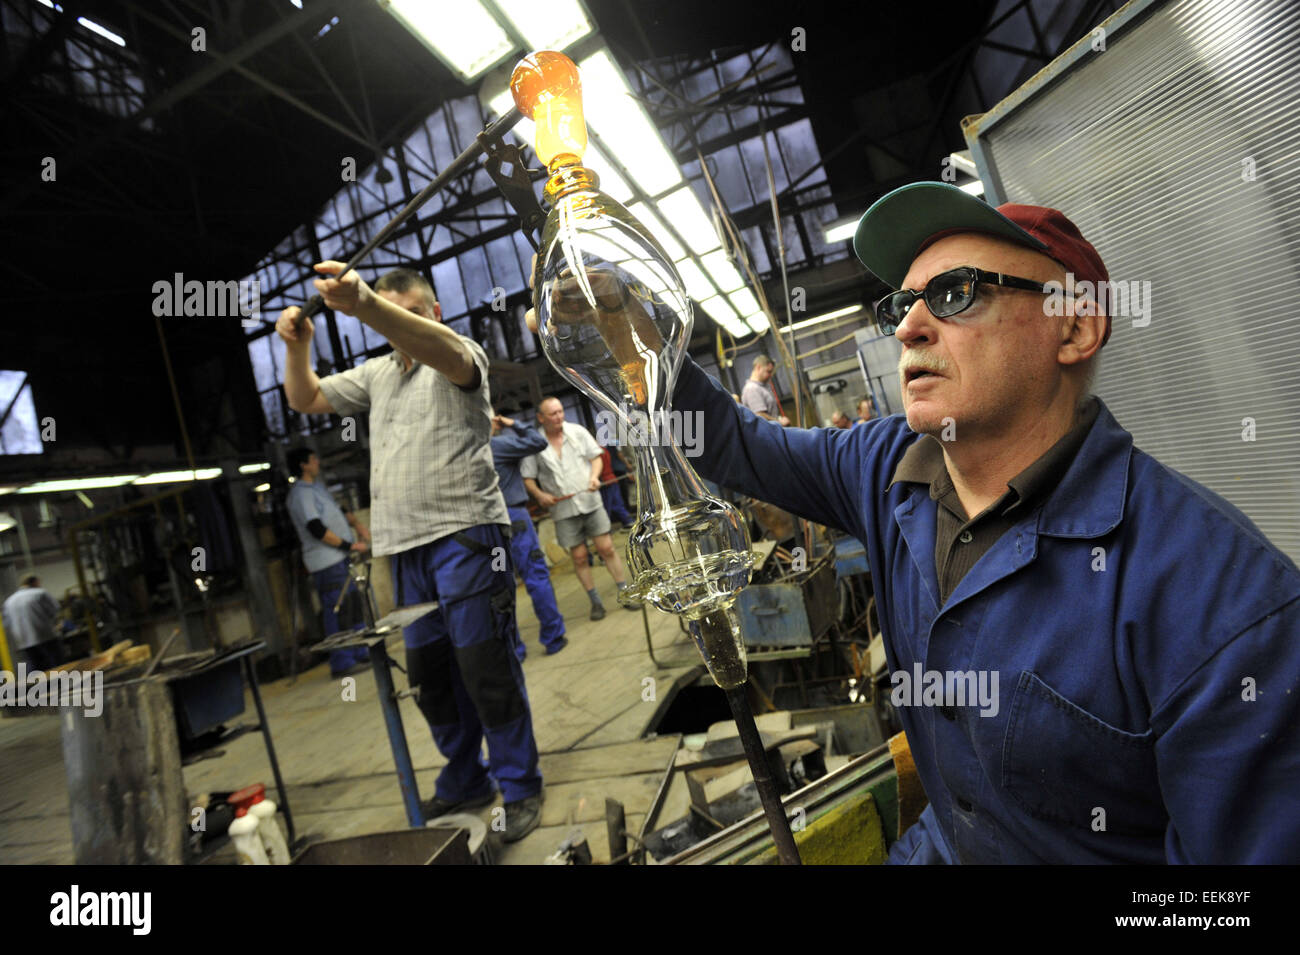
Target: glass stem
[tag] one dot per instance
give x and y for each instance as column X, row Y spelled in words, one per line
column 717, row 634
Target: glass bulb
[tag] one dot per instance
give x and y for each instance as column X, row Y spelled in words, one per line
column 546, row 88
column 614, row 319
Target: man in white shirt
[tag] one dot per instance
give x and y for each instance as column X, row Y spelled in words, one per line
column 29, row 621
column 757, row 394
column 565, row 478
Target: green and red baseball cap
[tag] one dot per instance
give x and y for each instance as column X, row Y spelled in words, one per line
column 900, row 224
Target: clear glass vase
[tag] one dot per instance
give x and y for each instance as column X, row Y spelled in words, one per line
column 614, row 319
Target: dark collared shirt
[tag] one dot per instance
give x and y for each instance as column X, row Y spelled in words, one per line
column 959, row 542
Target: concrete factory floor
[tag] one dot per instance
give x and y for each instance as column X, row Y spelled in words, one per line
column 589, row 706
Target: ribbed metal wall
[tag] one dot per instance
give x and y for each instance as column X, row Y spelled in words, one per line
column 1176, row 151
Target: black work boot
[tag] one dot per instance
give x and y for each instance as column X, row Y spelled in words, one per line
column 522, row 817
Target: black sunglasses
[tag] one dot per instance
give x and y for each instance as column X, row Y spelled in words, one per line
column 946, row 295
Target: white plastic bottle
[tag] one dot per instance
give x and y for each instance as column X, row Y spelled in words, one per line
column 268, row 827
column 248, row 844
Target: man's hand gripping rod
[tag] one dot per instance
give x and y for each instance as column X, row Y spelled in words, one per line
column 486, row 142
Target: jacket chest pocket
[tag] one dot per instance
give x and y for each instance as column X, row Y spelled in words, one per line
column 1061, row 763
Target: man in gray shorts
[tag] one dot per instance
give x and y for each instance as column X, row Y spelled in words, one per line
column 565, row 479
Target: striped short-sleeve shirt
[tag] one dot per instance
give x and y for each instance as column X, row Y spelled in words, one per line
column 431, row 470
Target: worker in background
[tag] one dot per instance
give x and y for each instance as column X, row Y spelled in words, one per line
column 610, row 492
column 328, row 535
column 29, row 616
column 865, row 411
column 438, row 514
column 1136, row 631
column 840, row 420
column 565, row 479
column 512, row 441
column 757, row 394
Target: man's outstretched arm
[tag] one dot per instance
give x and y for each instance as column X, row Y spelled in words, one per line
column 428, row 342
column 816, row 473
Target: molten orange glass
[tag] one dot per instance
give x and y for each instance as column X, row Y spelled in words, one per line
column 547, row 90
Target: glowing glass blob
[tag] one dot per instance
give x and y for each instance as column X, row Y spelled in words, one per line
column 615, row 320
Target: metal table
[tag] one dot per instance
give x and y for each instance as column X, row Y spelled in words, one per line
column 373, row 639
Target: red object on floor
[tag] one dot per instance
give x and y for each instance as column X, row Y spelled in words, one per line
column 247, row 796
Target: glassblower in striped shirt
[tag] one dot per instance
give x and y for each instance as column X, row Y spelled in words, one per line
column 437, row 512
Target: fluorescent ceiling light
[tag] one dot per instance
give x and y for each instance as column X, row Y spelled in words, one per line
column 254, row 468
column 684, row 211
column 74, row 484
column 7, row 521
column 721, row 312
column 608, row 178
column 171, row 477
column 549, row 25
column 94, row 27
column 840, row 230
column 744, row 302
column 697, row 283
column 975, row 188
column 658, row 230
column 722, row 271
column 461, row 33
column 81, row 496
column 623, row 126
column 759, row 322
column 501, row 104
column 262, row 487
column 828, row 316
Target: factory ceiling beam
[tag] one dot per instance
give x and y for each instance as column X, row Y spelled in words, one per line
column 222, row 64
column 234, row 64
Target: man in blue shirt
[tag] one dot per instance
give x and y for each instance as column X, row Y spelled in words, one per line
column 328, row 535
column 1095, row 659
column 512, row 441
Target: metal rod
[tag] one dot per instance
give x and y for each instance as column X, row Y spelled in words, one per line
column 176, row 398
column 458, row 165
column 777, row 821
column 162, row 653
column 396, row 734
column 283, row 793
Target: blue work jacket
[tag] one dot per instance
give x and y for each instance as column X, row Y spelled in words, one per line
column 510, row 447
column 1145, row 636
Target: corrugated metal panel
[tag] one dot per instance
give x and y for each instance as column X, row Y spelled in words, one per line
column 1176, row 150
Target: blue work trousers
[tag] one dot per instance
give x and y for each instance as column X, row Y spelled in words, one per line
column 329, row 583
column 530, row 563
column 612, row 495
column 461, row 661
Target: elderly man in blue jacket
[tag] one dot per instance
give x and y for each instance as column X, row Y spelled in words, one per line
column 1099, row 659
